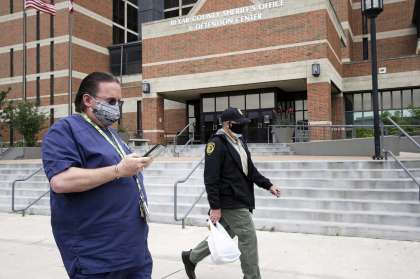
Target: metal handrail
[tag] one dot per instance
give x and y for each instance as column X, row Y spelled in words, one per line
column 23, row 210
column 386, row 152
column 191, row 140
column 404, row 132
column 308, row 127
column 176, row 195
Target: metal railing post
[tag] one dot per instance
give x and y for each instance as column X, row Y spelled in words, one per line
column 388, row 152
column 406, row 170
column 382, row 136
column 180, row 133
column 14, row 189
column 176, row 194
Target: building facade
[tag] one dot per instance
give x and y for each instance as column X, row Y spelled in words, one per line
column 196, row 58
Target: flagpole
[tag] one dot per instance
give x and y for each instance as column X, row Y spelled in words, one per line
column 24, row 52
column 70, row 53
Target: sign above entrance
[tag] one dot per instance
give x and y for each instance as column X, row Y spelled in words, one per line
column 226, row 17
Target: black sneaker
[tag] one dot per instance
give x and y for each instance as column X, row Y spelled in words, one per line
column 189, row 266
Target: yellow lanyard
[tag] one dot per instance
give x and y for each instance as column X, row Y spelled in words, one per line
column 117, row 147
column 144, row 209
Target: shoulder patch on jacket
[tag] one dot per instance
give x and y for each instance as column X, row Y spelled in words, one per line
column 210, row 148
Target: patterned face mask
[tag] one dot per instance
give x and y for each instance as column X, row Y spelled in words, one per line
column 106, row 113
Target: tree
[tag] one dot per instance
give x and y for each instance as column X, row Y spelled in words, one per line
column 409, row 123
column 3, row 103
column 26, row 119
column 3, row 95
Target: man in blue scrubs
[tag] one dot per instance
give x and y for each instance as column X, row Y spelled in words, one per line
column 98, row 204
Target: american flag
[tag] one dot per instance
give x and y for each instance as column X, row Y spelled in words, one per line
column 71, row 7
column 40, row 6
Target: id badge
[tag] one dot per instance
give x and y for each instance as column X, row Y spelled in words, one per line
column 144, row 211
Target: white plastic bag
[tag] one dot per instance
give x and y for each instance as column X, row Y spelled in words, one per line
column 222, row 247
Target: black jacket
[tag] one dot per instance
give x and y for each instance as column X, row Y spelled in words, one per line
column 227, row 185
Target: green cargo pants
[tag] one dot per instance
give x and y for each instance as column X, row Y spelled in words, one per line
column 237, row 222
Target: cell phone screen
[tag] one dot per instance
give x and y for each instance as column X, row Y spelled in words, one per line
column 155, row 151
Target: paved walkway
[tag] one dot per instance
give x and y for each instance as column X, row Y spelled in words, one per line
column 28, row 251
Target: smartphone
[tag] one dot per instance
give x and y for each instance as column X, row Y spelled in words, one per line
column 155, row 151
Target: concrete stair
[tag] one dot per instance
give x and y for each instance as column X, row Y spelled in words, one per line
column 197, row 150
column 351, row 198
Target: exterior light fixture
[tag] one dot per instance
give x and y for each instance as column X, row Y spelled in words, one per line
column 146, row 87
column 316, row 69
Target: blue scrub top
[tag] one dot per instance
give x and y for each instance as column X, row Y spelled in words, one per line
column 100, row 230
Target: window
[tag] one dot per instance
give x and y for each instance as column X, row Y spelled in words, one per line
column 37, row 92
column 237, row 101
column 51, row 89
column 300, row 111
column 171, row 4
column 348, row 101
column 416, row 97
column 221, row 103
column 299, row 105
column 11, row 6
column 367, row 101
column 386, row 100
column 38, row 58
column 252, row 101
column 175, row 8
column 125, row 18
column 118, row 35
column 395, row 102
column 51, row 117
column 52, row 56
column 268, row 100
column 131, row 59
column 173, row 13
column 11, row 62
column 208, row 104
column 406, row 98
column 396, row 99
column 185, row 11
column 357, row 105
column 191, row 112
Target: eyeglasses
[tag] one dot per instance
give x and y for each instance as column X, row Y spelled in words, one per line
column 111, row 101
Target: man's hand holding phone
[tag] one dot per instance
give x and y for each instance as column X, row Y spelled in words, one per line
column 132, row 164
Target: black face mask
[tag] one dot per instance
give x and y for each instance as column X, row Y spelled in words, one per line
column 237, row 128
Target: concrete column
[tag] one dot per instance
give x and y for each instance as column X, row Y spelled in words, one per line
column 319, row 109
column 153, row 119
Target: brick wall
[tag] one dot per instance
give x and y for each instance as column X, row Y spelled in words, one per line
column 84, row 60
column 389, row 48
column 394, row 65
column 175, row 120
column 253, row 35
column 237, row 61
column 153, row 119
column 129, row 122
column 319, row 109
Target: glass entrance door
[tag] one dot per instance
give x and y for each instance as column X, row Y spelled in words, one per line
column 255, row 104
column 209, row 127
column 194, row 117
